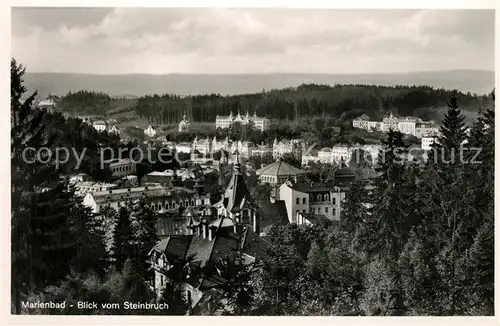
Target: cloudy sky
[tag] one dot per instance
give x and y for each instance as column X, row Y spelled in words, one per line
column 168, row 40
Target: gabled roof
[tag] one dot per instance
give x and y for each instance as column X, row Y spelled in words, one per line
column 237, row 196
column 280, row 168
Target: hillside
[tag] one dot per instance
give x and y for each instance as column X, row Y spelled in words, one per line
column 474, row 81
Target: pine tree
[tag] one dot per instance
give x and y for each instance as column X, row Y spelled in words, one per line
column 452, row 128
column 356, row 212
column 145, row 235
column 390, row 218
column 43, row 243
column 122, row 246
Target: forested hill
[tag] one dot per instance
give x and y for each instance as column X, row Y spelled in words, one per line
column 474, row 81
column 343, row 102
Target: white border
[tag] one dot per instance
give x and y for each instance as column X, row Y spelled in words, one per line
column 5, row 27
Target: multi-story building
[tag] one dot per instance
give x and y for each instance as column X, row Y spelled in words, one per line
column 84, row 187
column 407, row 125
column 203, row 146
column 426, row 129
column 160, row 198
column 364, row 122
column 293, row 146
column 225, row 122
column 47, row 104
column 150, row 131
column 389, row 122
column 200, row 262
column 114, row 130
column 184, row 124
column 183, row 148
column 244, row 148
column 122, row 167
column 427, row 143
column 261, row 150
column 100, row 126
column 301, row 197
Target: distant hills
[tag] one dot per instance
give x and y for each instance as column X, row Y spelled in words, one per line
column 132, row 85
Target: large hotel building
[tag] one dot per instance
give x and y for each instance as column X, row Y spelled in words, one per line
column 225, row 122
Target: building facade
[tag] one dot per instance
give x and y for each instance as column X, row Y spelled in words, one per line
column 184, row 124
column 122, row 167
column 150, row 131
column 312, row 199
column 225, row 122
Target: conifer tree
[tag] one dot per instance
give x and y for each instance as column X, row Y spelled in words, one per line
column 122, row 246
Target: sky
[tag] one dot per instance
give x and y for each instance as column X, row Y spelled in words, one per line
column 225, row 41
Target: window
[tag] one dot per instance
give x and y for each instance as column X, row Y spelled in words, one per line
column 326, row 210
column 333, row 211
column 297, row 201
column 304, row 200
column 333, row 201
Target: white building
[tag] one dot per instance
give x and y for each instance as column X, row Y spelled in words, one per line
column 183, row 148
column 159, row 198
column 225, row 122
column 100, row 126
column 122, row 167
column 426, row 130
column 150, row 131
column 286, row 147
column 408, row 125
column 184, row 124
column 204, row 146
column 427, row 143
column 84, row 187
column 335, row 154
column 114, row 130
column 364, row 122
column 390, row 122
column 311, row 199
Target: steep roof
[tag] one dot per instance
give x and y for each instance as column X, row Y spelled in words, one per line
column 280, row 168
column 237, row 195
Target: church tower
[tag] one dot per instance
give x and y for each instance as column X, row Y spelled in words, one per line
column 237, row 203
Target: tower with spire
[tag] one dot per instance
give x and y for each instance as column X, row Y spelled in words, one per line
column 237, row 203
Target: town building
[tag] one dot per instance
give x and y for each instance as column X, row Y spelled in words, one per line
column 225, row 122
column 150, row 131
column 100, row 125
column 427, row 143
column 389, row 122
column 80, row 177
column 364, row 122
column 160, row 198
column 48, row 104
column 183, row 148
column 426, row 130
column 114, row 130
column 184, row 124
column 200, row 262
column 203, row 146
column 84, row 187
column 261, row 150
column 282, row 147
column 278, row 172
column 304, row 197
column 122, row 167
column 408, row 125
